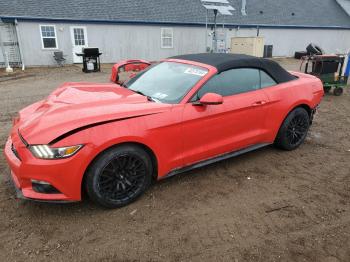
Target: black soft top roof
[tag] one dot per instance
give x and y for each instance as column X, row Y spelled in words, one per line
column 225, row 62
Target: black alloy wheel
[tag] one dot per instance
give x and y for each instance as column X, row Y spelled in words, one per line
column 293, row 130
column 297, row 129
column 122, row 177
column 119, row 176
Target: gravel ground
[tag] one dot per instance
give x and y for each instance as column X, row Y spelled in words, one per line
column 267, row 205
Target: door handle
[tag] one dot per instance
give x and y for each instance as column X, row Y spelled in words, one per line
column 259, row 103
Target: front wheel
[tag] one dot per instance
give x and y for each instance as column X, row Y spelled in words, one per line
column 119, row 176
column 327, row 89
column 294, row 129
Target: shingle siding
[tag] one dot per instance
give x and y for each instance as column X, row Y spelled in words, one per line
column 309, row 13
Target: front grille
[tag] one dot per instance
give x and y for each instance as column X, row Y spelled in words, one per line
column 15, row 151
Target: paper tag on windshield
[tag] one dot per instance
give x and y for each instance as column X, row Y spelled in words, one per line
column 160, row 95
column 194, row 71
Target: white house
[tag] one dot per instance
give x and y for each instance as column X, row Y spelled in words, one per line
column 31, row 30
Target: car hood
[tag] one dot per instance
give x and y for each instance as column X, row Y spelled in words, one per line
column 77, row 105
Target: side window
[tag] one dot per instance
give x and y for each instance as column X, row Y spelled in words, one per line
column 266, row 80
column 231, row 82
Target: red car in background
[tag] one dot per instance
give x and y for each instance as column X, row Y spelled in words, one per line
column 181, row 113
column 129, row 69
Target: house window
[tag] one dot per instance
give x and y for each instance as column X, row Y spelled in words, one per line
column 48, row 36
column 167, row 38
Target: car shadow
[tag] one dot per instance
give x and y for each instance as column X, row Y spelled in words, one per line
column 203, row 171
column 86, row 206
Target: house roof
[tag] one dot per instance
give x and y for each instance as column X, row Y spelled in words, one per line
column 345, row 4
column 297, row 13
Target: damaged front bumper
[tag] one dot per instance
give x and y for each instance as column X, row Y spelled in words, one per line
column 40, row 180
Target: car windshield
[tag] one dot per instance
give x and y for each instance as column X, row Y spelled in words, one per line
column 166, row 82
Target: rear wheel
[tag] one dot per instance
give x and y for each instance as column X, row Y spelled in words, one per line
column 119, row 176
column 338, row 91
column 293, row 130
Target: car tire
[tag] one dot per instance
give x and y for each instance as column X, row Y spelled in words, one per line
column 119, row 176
column 294, row 129
column 299, row 54
column 313, row 49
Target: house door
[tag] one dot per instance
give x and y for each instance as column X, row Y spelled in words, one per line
column 79, row 41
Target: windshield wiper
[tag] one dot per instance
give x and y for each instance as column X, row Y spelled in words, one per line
column 148, row 97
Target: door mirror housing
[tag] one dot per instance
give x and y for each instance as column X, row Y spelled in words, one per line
column 210, row 99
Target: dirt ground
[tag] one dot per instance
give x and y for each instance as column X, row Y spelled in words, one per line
column 267, row 205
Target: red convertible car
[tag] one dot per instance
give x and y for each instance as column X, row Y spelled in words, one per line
column 184, row 112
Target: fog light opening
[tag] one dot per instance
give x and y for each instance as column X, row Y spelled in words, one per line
column 44, row 187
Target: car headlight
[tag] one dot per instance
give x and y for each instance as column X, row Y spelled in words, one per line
column 47, row 152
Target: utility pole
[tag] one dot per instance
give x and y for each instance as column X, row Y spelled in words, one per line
column 206, row 31
column 222, row 7
column 215, row 42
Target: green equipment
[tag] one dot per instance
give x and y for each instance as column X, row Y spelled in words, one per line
column 330, row 69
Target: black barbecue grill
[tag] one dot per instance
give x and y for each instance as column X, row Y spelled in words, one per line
column 91, row 59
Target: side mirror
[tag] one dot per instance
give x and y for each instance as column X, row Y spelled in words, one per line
column 210, row 99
